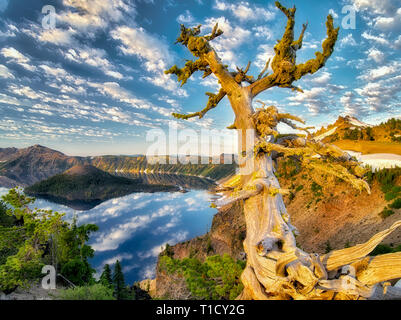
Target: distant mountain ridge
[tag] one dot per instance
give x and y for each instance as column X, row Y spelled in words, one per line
column 353, row 129
column 33, row 164
column 349, row 133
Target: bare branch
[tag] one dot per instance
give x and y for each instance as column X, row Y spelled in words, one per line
column 241, row 75
column 261, row 74
column 298, row 44
column 214, row 100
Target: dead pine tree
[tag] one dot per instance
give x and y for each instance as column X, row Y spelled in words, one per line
column 276, row 268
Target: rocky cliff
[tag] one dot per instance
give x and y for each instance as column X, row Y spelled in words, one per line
column 327, row 213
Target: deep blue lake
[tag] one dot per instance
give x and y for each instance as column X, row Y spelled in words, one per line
column 134, row 228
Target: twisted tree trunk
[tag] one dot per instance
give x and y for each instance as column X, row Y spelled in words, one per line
column 276, row 268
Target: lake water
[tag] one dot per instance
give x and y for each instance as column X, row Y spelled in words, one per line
column 133, row 228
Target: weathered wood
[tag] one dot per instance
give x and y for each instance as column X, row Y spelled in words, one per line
column 339, row 258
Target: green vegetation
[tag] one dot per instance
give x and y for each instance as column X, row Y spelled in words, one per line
column 387, row 178
column 216, row 278
column 121, row 291
column 386, row 213
column 93, row 292
column 384, row 248
column 317, row 190
column 396, row 204
column 328, row 247
column 31, row 238
column 289, row 168
column 106, row 278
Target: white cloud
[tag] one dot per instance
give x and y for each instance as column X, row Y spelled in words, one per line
column 245, row 11
column 315, row 99
column 382, row 71
column 377, row 6
column 333, row 13
column 386, row 14
column 5, row 72
column 322, row 78
column 111, row 239
column 348, row 41
column 17, row 57
column 265, row 52
column 91, row 15
column 9, row 100
column 56, row 36
column 185, row 18
column 262, row 32
column 375, row 55
column 154, row 53
column 379, row 39
column 231, row 40
column 136, row 41
column 93, row 57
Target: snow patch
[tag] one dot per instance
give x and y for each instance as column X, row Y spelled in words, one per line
column 358, row 123
column 326, row 134
column 378, row 160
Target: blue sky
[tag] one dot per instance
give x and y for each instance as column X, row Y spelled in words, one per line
column 95, row 83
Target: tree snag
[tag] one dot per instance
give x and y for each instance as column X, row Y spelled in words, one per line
column 276, row 268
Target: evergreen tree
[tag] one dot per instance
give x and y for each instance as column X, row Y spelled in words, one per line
column 106, row 278
column 119, row 282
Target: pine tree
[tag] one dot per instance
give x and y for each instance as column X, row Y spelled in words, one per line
column 119, row 282
column 106, row 278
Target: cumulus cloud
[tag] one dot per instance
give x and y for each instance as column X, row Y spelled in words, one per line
column 378, row 39
column 245, row 11
column 375, row 55
column 93, row 57
column 348, row 41
column 5, row 72
column 386, row 14
column 315, row 99
column 232, row 39
column 382, row 71
column 13, row 55
column 265, row 52
column 88, row 16
column 185, row 18
column 152, row 51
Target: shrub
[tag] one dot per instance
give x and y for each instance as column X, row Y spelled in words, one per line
column 383, row 249
column 386, row 213
column 299, row 188
column 93, row 292
column 216, row 278
column 396, row 204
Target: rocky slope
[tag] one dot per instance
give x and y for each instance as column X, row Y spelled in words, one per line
column 29, row 165
column 327, row 212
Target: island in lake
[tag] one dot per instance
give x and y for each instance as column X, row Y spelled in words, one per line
column 83, row 187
